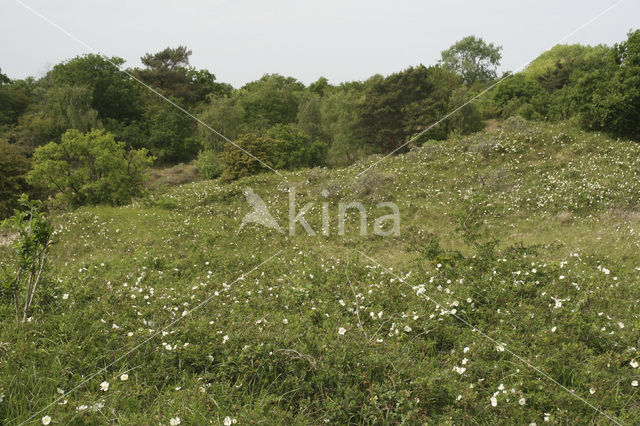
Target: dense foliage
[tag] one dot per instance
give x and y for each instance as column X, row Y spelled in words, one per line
column 319, row 124
column 13, row 170
column 90, row 168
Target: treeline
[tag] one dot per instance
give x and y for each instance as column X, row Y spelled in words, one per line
column 283, row 122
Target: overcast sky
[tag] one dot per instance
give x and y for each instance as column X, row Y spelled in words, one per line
column 240, row 40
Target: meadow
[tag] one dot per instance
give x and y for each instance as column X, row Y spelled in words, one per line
column 509, row 297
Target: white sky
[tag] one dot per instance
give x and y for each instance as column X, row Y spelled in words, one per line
column 241, row 40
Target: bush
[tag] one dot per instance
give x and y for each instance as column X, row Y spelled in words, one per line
column 237, row 161
column 13, row 169
column 90, row 168
column 609, row 98
column 208, row 164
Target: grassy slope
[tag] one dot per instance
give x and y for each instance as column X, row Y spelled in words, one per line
column 129, row 271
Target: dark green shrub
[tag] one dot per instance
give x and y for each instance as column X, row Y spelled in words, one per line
column 13, row 169
column 295, row 149
column 250, row 155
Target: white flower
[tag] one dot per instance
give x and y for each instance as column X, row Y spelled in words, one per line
column 65, row 296
column 500, row 348
column 227, row 421
column 553, row 329
column 634, row 383
column 46, row 420
column 225, row 338
column 285, row 321
column 60, row 391
column 606, row 271
column 634, row 364
column 459, row 370
column 466, row 349
column 174, row 421
column 124, row 377
column 494, row 401
column 341, row 302
column 522, row 401
column 592, row 391
column 341, row 331
column 104, row 386
column 407, row 329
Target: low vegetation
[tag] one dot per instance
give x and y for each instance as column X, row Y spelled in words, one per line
column 522, row 240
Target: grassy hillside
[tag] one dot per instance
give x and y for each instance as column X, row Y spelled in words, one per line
column 352, row 329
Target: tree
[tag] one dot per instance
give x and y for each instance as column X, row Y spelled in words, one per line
column 465, row 121
column 226, row 115
column 310, row 118
column 338, row 114
column 31, row 249
column 167, row 59
column 113, row 94
column 274, row 99
column 295, row 149
column 609, row 98
column 70, row 108
column 167, row 72
column 170, row 133
column 90, row 168
column 13, row 169
column 393, row 108
column 521, row 95
column 15, row 97
column 473, row 59
column 320, row 86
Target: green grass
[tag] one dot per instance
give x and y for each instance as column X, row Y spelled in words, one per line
column 571, row 198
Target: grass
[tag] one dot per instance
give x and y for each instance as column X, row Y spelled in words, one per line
column 559, row 289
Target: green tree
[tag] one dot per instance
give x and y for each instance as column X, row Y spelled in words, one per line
column 465, row 121
column 521, row 95
column 295, row 149
column 13, row 169
column 90, row 168
column 272, row 100
column 169, row 72
column 19, row 281
column 338, row 114
column 170, row 133
column 608, row 99
column 473, row 59
column 395, row 107
column 15, row 97
column 310, row 118
column 113, row 94
column 226, row 115
column 56, row 109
